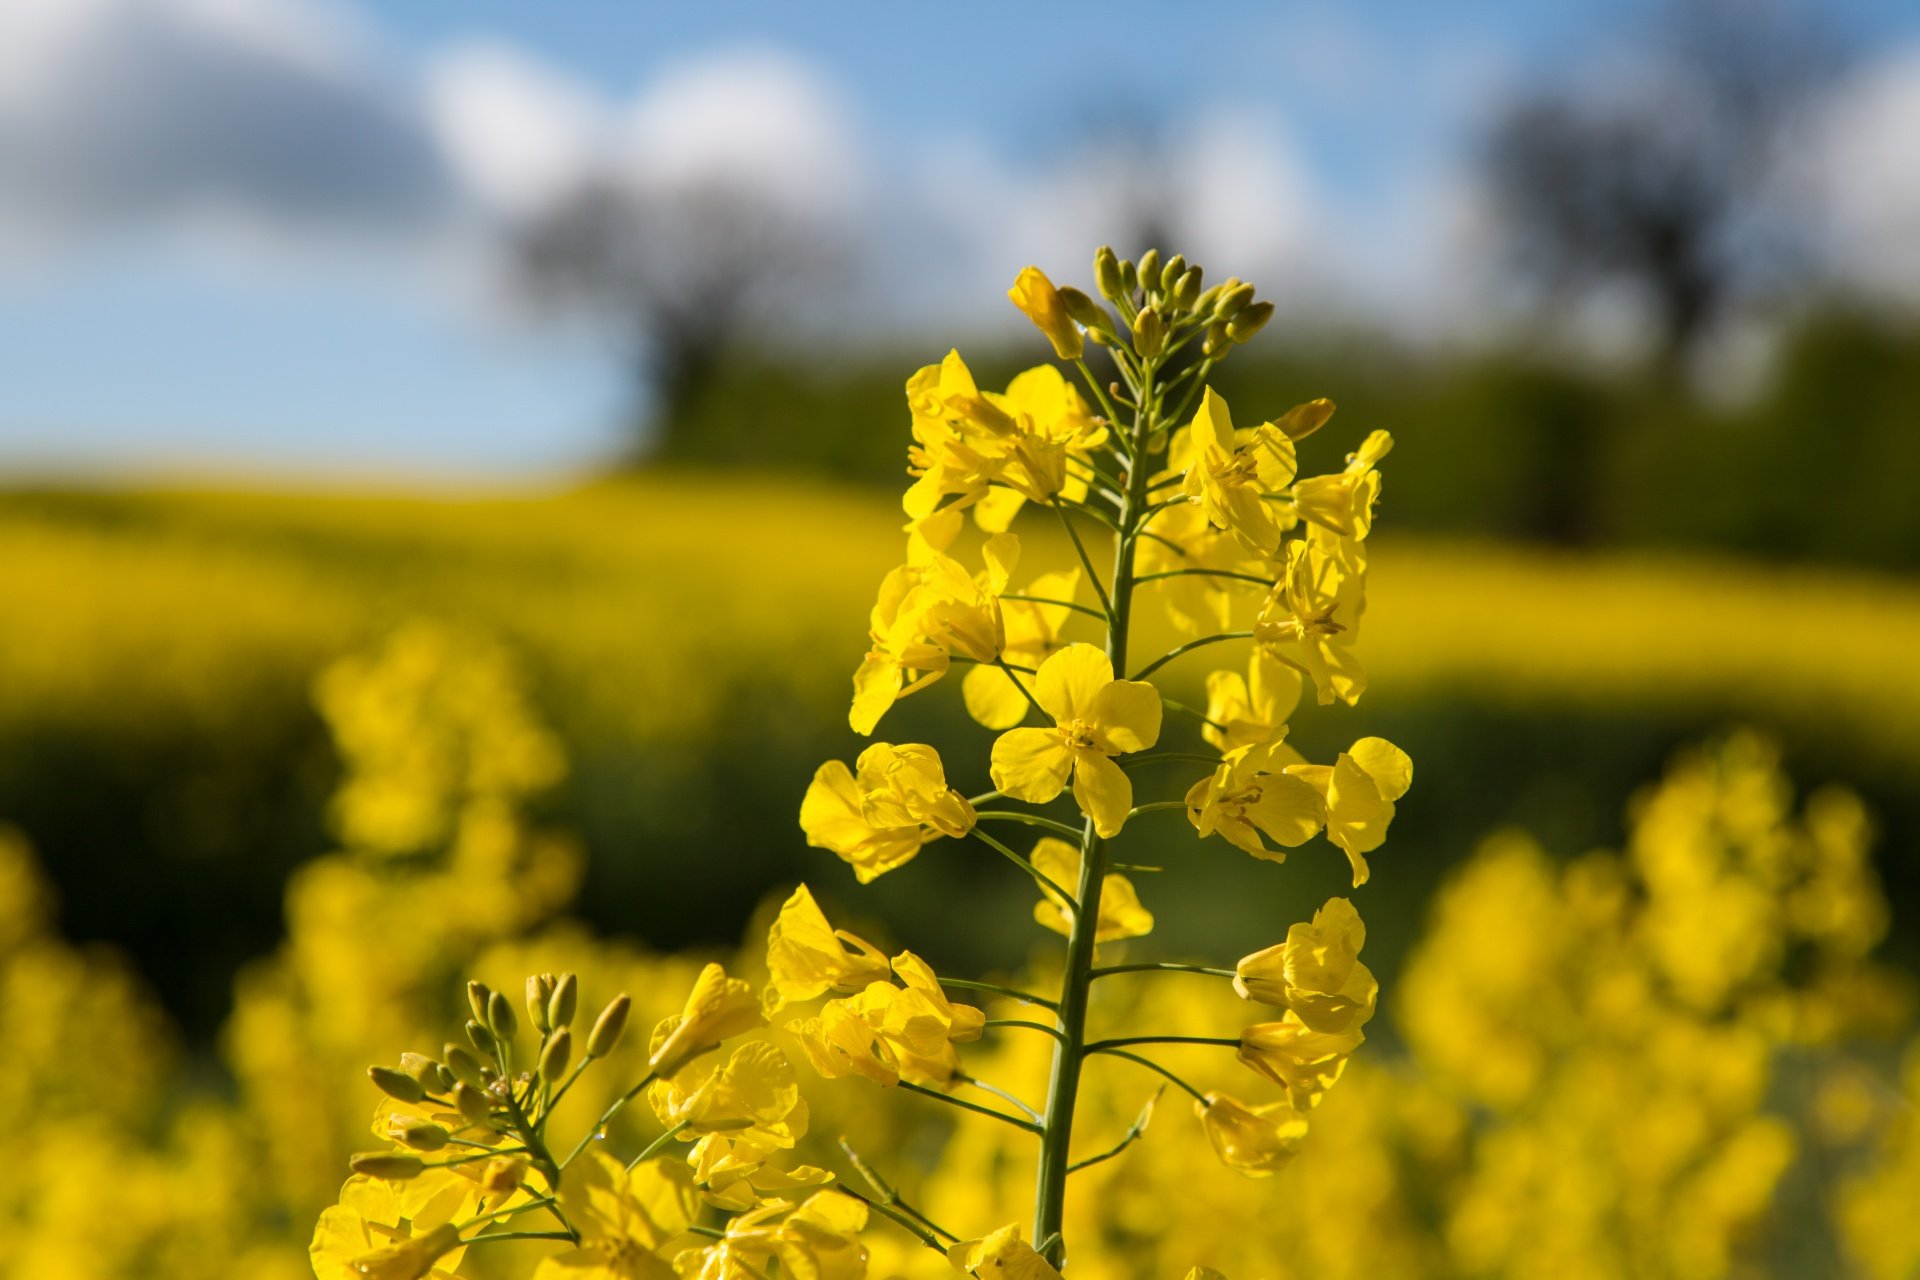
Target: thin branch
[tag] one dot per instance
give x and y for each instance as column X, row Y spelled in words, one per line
column 1025, row 1025
column 1155, row 806
column 1004, row 1096
column 1107, row 1046
column 1203, row 573
column 1031, row 819
column 1133, row 1135
column 1163, row 966
column 658, row 1145
column 1085, row 562
column 1067, row 899
column 888, row 1195
column 1087, row 609
column 975, row 1107
column 1020, row 684
column 1195, row 712
column 1188, row 647
column 1168, row 757
column 1012, row 993
column 1151, row 1065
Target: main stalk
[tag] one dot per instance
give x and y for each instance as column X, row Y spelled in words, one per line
column 1050, row 1191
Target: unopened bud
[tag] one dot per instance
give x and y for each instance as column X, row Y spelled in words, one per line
column 566, row 998
column 1234, row 297
column 1204, row 304
column 477, row 997
column 463, row 1066
column 443, row 1079
column 1186, row 290
column 392, row 1166
column 608, row 1028
column 1216, row 342
column 421, row 1135
column 539, row 992
column 1250, row 321
column 396, row 1084
column 503, row 1175
column 500, row 1016
column 481, row 1037
column 1083, row 309
column 473, row 1103
column 1150, row 270
column 1107, row 276
column 553, row 1058
column 1171, row 273
column 1149, row 333
column 421, row 1068
column 1129, row 277
column 1303, row 420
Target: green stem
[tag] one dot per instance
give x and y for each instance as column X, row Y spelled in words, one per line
column 1012, row 993
column 1188, row 647
column 1195, row 712
column 1105, row 1046
column 974, row 1107
column 1063, row 1087
column 1154, row 806
column 1045, row 881
column 888, row 1195
column 1134, row 1133
column 1086, row 563
column 1087, row 609
column 658, row 1145
column 1021, row 685
column 606, row 1118
column 1030, row 1026
column 1162, row 966
column 1099, row 393
column 1204, row 573
column 1031, row 820
column 488, row 1237
column 1170, row 757
column 1151, row 1065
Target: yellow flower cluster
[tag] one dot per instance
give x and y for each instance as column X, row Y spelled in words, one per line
column 1216, row 525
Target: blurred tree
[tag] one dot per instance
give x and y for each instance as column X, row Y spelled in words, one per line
column 1664, row 175
column 684, row 279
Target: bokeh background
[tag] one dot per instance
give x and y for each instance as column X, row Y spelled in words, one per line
column 536, row 370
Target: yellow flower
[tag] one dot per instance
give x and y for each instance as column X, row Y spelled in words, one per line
column 1095, row 718
column 902, row 660
column 1232, row 484
column 733, row 1172
column 1004, row 1255
column 841, row 1041
column 1035, row 295
column 906, row 786
column 625, row 1217
column 1032, row 636
column 807, row 957
column 1253, row 709
column 819, row 1240
column 878, row 818
column 1183, row 538
column 1121, row 915
column 754, row 1098
column 356, row 1239
column 1253, row 793
column 717, row 1008
column 1316, row 972
column 1312, row 618
column 1360, row 788
column 1304, row 1062
column 1343, row 502
column 1256, row 1141
column 888, row 1033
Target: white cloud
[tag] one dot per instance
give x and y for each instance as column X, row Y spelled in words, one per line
column 1864, row 162
column 517, row 132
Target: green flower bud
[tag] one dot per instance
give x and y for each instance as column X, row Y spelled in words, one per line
column 1204, row 305
column 1216, row 343
column 473, row 1104
column 1303, row 420
column 566, row 998
column 500, row 1016
column 463, row 1066
column 392, row 1166
column 1171, row 273
column 503, row 1174
column 1083, row 309
column 1149, row 277
column 1107, row 276
column 477, row 996
column 1129, row 278
column 1235, row 297
column 443, row 1079
column 608, row 1028
column 1186, row 289
column 482, row 1038
column 539, row 992
column 553, row 1058
column 421, row 1135
column 396, row 1084
column 1149, row 333
column 421, row 1068
column 1250, row 321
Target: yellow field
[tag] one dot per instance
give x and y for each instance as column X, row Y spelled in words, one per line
column 641, row 601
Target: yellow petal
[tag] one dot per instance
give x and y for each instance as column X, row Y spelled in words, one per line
column 1126, row 716
column 1031, row 764
column 1068, row 682
column 1390, row 768
column 1102, row 789
column 992, row 698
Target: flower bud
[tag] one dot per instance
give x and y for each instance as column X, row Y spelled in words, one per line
column 1303, row 420
column 1204, row 304
column 553, row 1058
column 1249, row 322
column 1040, row 302
column 1171, row 273
column 1216, row 342
column 443, row 1079
column 1149, row 333
column 500, row 1017
column 609, row 1026
column 463, row 1066
column 477, row 996
column 482, row 1038
column 392, row 1166
column 1150, row 270
column 503, row 1175
column 1107, row 276
column 1129, row 278
column 421, row 1068
column 539, row 992
column 566, row 998
column 474, row 1104
column 1232, row 299
column 396, row 1084
column 1186, row 290
column 421, row 1135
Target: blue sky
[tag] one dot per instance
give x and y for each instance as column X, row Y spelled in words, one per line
column 183, row 300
